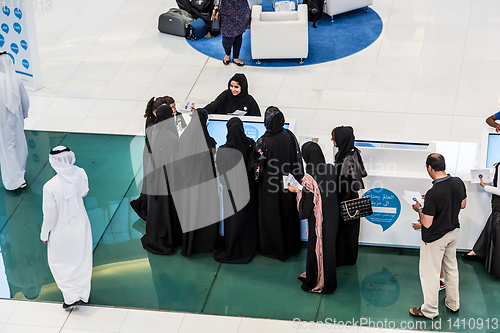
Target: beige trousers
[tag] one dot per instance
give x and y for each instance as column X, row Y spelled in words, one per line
column 432, row 256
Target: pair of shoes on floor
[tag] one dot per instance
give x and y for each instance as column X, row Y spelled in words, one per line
column 473, row 257
column 452, row 311
column 441, row 285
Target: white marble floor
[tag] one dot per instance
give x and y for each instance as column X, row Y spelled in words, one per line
column 41, row 317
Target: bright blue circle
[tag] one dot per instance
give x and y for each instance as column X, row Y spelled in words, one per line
column 386, row 207
column 349, row 33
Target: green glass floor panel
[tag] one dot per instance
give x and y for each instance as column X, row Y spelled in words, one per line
column 107, row 159
column 39, row 145
column 265, row 288
column 151, row 281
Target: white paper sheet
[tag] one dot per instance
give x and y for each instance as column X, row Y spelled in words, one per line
column 239, row 113
column 184, row 107
column 412, row 197
column 290, row 179
column 476, row 174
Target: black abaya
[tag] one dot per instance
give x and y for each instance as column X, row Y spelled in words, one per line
column 326, row 179
column 487, row 246
column 240, row 229
column 163, row 231
column 350, row 169
column 279, row 222
column 196, row 167
column 227, row 103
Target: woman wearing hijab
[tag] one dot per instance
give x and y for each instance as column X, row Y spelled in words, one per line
column 234, row 19
column 14, row 105
column 66, row 227
column 139, row 205
column 235, row 98
column 350, row 171
column 317, row 202
column 163, row 230
column 279, row 222
column 196, row 188
column 240, row 229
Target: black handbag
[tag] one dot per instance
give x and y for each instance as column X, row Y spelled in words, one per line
column 215, row 25
column 356, row 208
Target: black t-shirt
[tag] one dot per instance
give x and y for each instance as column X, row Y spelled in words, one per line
column 443, row 202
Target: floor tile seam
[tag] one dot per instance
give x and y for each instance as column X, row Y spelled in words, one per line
column 210, row 290
column 197, row 78
column 65, row 321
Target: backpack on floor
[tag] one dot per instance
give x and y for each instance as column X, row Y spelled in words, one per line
column 197, row 29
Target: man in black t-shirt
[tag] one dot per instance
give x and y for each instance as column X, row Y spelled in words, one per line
column 439, row 218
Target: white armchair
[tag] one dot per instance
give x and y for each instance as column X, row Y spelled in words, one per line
column 334, row 7
column 252, row 3
column 279, row 35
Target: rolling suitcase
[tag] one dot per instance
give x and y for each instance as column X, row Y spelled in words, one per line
column 174, row 22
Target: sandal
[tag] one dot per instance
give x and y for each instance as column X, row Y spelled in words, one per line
column 471, row 257
column 239, row 63
column 225, row 62
column 416, row 312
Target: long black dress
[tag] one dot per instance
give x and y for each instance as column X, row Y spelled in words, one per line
column 279, row 222
column 487, row 246
column 197, row 191
column 163, row 231
column 240, row 229
column 140, row 205
column 321, row 267
column 226, row 103
column 350, row 171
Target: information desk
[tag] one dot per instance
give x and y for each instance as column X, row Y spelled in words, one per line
column 395, row 167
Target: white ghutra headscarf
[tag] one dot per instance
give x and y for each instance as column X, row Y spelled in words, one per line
column 73, row 185
column 9, row 85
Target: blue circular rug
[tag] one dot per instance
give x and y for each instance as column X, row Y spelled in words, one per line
column 350, row 33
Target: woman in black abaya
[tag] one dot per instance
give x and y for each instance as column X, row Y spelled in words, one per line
column 317, row 202
column 240, row 229
column 350, row 171
column 196, row 167
column 139, row 205
column 279, row 222
column 236, row 97
column 487, row 247
column 163, row 231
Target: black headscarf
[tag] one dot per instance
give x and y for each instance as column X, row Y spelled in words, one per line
column 203, row 115
column 344, row 139
column 273, row 120
column 227, row 103
column 163, row 113
column 242, row 81
column 313, row 157
column 237, row 139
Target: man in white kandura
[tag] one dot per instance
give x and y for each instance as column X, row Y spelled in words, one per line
column 14, row 106
column 66, row 227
